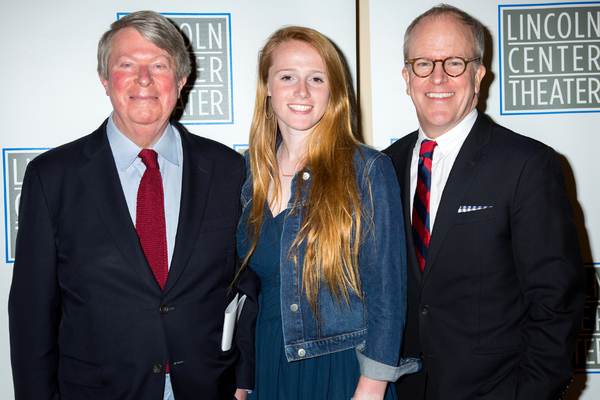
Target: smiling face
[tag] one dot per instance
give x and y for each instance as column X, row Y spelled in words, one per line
column 442, row 101
column 298, row 87
column 142, row 87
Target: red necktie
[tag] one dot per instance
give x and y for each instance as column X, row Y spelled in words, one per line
column 420, row 213
column 150, row 217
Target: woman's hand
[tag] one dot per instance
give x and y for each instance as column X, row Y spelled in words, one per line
column 370, row 389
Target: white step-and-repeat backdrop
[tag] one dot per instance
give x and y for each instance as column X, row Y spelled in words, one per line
column 543, row 81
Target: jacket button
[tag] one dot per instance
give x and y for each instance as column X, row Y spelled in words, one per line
column 306, row 176
column 301, row 352
column 294, row 307
column 164, row 309
column 157, row 368
column 425, row 310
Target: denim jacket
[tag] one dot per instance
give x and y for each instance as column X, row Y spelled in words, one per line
column 375, row 325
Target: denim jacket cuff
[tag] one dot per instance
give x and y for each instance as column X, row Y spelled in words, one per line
column 382, row 372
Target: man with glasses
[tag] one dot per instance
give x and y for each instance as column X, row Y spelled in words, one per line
column 496, row 283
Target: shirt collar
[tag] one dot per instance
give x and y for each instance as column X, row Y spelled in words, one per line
column 125, row 151
column 455, row 136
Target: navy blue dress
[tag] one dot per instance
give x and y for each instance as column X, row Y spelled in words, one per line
column 328, row 377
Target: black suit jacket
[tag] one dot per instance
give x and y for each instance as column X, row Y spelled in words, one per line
column 497, row 310
column 88, row 319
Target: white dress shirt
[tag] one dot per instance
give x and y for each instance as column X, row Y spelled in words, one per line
column 444, row 154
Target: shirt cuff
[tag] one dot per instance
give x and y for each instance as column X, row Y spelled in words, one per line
column 383, row 372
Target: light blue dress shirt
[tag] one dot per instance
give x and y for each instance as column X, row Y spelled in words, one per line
column 131, row 168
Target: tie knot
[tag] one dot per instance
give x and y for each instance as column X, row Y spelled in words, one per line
column 149, row 158
column 427, row 147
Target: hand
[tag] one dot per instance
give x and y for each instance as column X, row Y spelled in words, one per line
column 240, row 394
column 370, row 389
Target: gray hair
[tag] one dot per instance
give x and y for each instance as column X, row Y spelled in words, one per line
column 156, row 29
column 444, row 10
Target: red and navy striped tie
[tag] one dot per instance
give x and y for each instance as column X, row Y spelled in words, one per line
column 420, row 214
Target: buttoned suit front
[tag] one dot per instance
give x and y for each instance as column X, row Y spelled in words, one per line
column 496, row 312
column 88, row 319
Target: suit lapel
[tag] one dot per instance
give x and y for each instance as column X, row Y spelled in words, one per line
column 460, row 179
column 101, row 180
column 196, row 179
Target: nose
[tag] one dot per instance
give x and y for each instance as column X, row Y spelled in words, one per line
column 438, row 76
column 302, row 90
column 144, row 77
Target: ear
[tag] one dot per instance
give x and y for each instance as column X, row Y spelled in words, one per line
column 104, row 83
column 479, row 74
column 406, row 76
column 180, row 85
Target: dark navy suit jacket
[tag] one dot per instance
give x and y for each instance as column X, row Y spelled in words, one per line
column 88, row 319
column 497, row 310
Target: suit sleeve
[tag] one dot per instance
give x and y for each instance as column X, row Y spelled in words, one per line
column 551, row 274
column 34, row 302
column 247, row 283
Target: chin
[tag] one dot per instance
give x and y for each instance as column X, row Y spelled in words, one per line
column 147, row 119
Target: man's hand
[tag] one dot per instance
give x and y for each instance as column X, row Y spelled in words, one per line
column 241, row 394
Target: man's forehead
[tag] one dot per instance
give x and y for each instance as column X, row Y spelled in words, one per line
column 436, row 21
column 438, row 18
column 126, row 40
column 450, row 23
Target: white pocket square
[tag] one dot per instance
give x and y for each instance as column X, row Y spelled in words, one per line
column 464, row 209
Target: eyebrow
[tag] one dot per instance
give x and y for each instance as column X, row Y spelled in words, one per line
column 168, row 58
column 295, row 69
